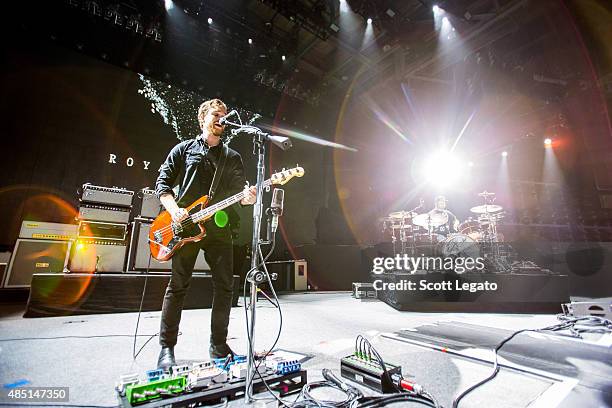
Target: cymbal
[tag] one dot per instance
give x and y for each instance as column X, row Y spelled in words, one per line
column 485, row 194
column 402, row 214
column 430, row 220
column 487, row 208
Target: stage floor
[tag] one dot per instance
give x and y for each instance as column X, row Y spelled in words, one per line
column 88, row 353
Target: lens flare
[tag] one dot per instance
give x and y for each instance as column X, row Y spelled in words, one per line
column 221, row 219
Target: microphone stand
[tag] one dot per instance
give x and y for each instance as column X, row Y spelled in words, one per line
column 259, row 149
column 255, row 276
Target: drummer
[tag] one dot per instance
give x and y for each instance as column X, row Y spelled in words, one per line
column 452, row 223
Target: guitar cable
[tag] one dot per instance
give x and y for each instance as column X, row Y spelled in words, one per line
column 144, row 288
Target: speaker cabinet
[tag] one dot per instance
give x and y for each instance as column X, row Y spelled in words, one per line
column 32, row 256
column 99, row 256
column 138, row 258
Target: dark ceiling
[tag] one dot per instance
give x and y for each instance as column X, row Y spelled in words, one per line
column 324, row 44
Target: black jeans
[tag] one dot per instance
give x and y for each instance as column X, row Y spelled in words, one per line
column 218, row 253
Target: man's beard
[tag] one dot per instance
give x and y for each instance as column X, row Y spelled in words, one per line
column 214, row 131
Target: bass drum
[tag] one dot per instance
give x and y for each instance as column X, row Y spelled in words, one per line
column 426, row 244
column 471, row 228
column 460, row 245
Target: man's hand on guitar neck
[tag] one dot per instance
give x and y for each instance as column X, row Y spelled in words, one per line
column 249, row 195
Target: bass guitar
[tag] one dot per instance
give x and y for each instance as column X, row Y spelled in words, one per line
column 167, row 236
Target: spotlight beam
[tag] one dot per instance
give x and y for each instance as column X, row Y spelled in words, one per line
column 467, row 123
column 311, row 139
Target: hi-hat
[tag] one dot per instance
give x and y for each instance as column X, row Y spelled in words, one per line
column 487, row 208
column 430, row 220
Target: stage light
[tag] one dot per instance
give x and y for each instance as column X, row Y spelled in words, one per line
column 443, row 169
column 548, row 142
column 369, row 21
column 169, row 4
column 504, row 154
column 250, row 41
column 283, row 58
column 80, row 246
column 210, row 20
column 436, row 8
column 445, row 19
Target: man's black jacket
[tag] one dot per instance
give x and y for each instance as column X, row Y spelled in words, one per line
column 191, row 166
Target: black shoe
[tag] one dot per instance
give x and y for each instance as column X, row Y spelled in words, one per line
column 220, row 351
column 166, row 358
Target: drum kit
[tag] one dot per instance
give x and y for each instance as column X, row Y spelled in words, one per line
column 412, row 233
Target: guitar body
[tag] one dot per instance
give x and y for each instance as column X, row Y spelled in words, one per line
column 166, row 237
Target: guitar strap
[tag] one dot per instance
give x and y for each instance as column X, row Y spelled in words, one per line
column 218, row 173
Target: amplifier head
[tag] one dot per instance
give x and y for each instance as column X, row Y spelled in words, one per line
column 102, row 230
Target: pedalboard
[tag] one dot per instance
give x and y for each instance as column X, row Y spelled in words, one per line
column 364, row 370
column 207, row 382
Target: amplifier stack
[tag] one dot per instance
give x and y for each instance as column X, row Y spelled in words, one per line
column 97, row 244
column 104, row 216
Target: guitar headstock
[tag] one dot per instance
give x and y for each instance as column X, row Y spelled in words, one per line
column 283, row 176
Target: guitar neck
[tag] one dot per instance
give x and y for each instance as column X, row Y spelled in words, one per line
column 208, row 212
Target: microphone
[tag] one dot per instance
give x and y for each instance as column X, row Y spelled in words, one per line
column 282, row 142
column 223, row 120
column 276, row 207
